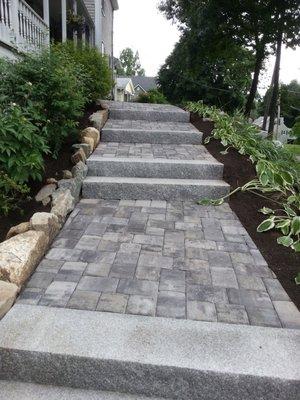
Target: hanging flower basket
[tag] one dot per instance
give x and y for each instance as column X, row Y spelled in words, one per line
column 75, row 22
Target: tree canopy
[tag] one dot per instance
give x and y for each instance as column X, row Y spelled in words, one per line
column 130, row 64
column 255, row 25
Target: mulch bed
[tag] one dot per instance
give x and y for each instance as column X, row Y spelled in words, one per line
column 238, row 170
column 53, row 169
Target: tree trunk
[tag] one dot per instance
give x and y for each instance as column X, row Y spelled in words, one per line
column 268, row 102
column 259, row 57
column 274, row 98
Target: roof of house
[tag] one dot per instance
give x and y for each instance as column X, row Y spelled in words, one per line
column 122, row 81
column 145, row 82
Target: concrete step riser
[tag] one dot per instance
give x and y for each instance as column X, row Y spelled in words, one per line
column 152, row 116
column 154, row 169
column 153, row 137
column 93, row 189
column 138, row 378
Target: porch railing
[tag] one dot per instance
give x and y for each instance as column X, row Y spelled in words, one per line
column 21, row 27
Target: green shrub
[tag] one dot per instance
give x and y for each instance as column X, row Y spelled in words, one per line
column 11, row 194
column 51, row 85
column 152, row 96
column 97, row 81
column 21, row 145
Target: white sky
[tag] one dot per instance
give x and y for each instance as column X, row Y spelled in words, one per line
column 140, row 26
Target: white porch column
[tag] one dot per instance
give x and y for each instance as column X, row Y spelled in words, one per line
column 98, row 25
column 63, row 20
column 46, row 17
column 14, row 19
column 46, row 14
column 75, row 33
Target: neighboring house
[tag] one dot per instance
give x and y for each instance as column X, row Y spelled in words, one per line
column 142, row 84
column 124, row 89
column 30, row 25
column 282, row 132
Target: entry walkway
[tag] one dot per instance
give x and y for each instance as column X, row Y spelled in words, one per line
column 144, row 291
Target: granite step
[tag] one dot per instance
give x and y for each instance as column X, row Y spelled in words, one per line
column 143, row 356
column 146, row 112
column 132, row 188
column 141, row 135
column 154, row 168
column 10, row 390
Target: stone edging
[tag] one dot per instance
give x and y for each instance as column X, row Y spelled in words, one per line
column 28, row 242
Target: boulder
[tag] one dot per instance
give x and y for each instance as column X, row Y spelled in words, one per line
column 45, row 222
column 51, row 180
column 90, row 142
column 73, row 185
column 15, row 230
column 85, row 147
column 66, row 174
column 63, row 203
column 99, row 118
column 80, row 171
column 91, row 133
column 45, row 192
column 20, row 255
column 8, row 294
column 78, row 156
column 46, row 201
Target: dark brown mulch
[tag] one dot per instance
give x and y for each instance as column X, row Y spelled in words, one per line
column 238, row 170
column 53, row 168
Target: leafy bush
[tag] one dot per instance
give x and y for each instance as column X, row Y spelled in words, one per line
column 21, row 145
column 11, row 194
column 51, row 86
column 152, row 96
column 42, row 96
column 278, row 175
column 97, row 81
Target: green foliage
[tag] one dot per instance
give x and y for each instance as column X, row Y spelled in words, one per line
column 278, row 176
column 96, row 74
column 152, row 96
column 130, row 64
column 296, row 130
column 218, row 74
column 21, row 145
column 11, row 194
column 42, row 96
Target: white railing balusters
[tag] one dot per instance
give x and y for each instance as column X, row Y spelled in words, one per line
column 21, row 26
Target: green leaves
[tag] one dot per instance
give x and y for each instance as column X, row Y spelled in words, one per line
column 286, row 241
column 277, row 174
column 266, row 225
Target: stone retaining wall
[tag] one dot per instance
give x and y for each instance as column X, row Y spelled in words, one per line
column 28, row 242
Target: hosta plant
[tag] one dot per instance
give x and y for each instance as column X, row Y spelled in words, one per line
column 278, row 175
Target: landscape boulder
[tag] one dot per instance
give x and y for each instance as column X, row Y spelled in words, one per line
column 66, row 174
column 91, row 133
column 80, row 170
column 45, row 222
column 15, row 230
column 8, row 294
column 85, row 147
column 79, row 155
column 99, row 118
column 45, row 192
column 20, row 255
column 90, row 142
column 62, row 204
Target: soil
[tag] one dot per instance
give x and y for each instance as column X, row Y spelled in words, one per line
column 53, row 169
column 238, row 170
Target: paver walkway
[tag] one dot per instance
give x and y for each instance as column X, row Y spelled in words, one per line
column 119, row 300
column 159, row 258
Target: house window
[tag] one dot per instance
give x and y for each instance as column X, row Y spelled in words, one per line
column 103, row 7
